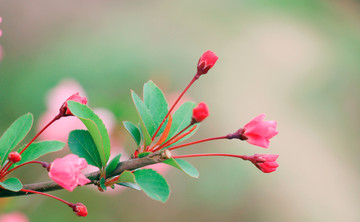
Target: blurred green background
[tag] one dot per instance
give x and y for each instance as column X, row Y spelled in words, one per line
column 296, row 61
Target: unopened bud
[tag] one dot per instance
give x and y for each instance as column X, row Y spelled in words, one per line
column 200, row 113
column 14, row 157
column 206, row 62
column 80, row 210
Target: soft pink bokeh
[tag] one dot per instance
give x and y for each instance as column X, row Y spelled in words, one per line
column 66, row 171
column 258, row 132
column 14, row 217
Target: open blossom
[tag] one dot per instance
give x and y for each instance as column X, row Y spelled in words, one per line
column 265, row 162
column 258, row 132
column 66, row 171
column 80, row 210
column 75, row 97
column 200, row 112
column 206, row 62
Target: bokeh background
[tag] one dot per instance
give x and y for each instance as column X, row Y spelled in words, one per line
column 296, row 61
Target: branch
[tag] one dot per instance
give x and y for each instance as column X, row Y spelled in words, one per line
column 131, row 164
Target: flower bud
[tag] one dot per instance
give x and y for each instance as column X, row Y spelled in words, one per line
column 80, row 210
column 206, row 62
column 14, row 157
column 65, row 111
column 200, row 113
column 265, row 162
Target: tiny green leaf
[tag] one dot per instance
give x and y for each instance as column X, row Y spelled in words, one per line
column 134, row 131
column 140, row 155
column 95, row 127
column 184, row 166
column 156, row 103
column 144, row 113
column 113, row 164
column 82, row 144
column 12, row 184
column 102, row 183
column 153, row 184
column 36, row 150
column 14, row 135
column 126, row 177
column 130, row 185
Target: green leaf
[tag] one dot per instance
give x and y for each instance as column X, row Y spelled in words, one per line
column 14, row 135
column 113, row 164
column 96, row 128
column 156, row 103
column 36, row 150
column 130, row 185
column 102, row 183
column 12, row 184
column 145, row 134
column 141, row 155
column 82, row 144
column 153, row 184
column 144, row 113
column 181, row 118
column 134, row 131
column 126, row 177
column 184, row 166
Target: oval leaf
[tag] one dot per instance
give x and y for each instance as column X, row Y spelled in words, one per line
column 181, row 118
column 144, row 113
column 82, row 144
column 95, row 127
column 113, row 164
column 134, row 131
column 153, row 184
column 14, row 135
column 12, row 184
column 184, row 166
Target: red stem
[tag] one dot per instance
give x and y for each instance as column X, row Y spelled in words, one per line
column 6, row 173
column 244, row 157
column 48, row 195
column 173, row 106
column 172, row 138
column 199, row 141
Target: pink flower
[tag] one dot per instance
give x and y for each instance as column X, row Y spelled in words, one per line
column 66, row 171
column 80, row 210
column 206, row 62
column 75, row 97
column 13, row 217
column 258, row 132
column 200, row 112
column 265, row 162
column 14, row 157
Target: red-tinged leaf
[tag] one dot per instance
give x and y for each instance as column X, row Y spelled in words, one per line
column 165, row 133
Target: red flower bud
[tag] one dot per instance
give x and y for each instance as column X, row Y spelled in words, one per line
column 265, row 162
column 77, row 98
column 200, row 113
column 80, row 210
column 14, row 157
column 206, row 62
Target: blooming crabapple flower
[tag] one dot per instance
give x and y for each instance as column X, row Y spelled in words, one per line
column 14, row 157
column 66, row 171
column 265, row 162
column 80, row 210
column 206, row 62
column 258, row 132
column 200, row 113
column 75, row 97
column 13, row 217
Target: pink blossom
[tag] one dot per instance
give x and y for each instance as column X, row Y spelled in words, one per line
column 75, row 97
column 66, row 171
column 14, row 217
column 258, row 132
column 80, row 210
column 206, row 62
column 200, row 112
column 265, row 162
